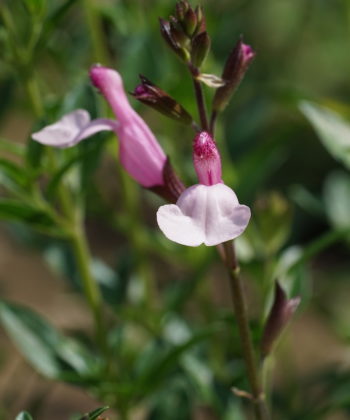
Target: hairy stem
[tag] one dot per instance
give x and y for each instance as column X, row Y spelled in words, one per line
column 241, row 313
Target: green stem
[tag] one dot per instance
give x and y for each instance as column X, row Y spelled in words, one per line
column 33, row 93
column 76, row 233
column 241, row 313
column 96, row 33
column 90, row 288
column 200, row 103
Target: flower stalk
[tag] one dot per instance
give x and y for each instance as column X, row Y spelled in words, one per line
column 240, row 308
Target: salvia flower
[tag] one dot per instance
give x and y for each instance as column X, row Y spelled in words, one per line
column 208, row 212
column 140, row 153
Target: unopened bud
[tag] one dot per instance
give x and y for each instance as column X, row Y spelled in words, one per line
column 177, row 33
column 206, row 159
column 281, row 313
column 181, row 9
column 235, row 68
column 165, row 30
column 153, row 96
column 200, row 48
column 201, row 24
column 190, row 22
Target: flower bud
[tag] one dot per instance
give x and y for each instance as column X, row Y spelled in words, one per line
column 206, row 159
column 201, row 24
column 281, row 313
column 235, row 68
column 166, row 32
column 190, row 22
column 153, row 96
column 200, row 48
column 181, row 8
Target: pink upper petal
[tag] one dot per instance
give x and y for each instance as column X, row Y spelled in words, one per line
column 140, row 152
column 71, row 129
column 204, row 214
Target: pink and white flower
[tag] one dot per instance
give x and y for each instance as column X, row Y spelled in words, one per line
column 208, row 212
column 140, row 153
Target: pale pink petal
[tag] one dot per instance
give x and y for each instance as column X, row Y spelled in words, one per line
column 140, row 153
column 71, row 129
column 177, row 227
column 204, row 214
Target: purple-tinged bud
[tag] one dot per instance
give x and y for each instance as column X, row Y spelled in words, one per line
column 181, row 9
column 200, row 48
column 201, row 24
column 206, row 159
column 281, row 313
column 235, row 68
column 153, row 96
column 178, row 34
column 190, row 22
column 166, row 32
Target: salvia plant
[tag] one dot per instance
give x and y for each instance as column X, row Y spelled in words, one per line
column 145, row 354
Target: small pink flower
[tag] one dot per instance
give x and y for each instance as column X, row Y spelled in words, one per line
column 140, row 153
column 208, row 212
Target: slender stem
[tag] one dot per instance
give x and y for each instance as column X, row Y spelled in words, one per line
column 240, row 308
column 33, row 93
column 90, row 288
column 213, row 117
column 76, row 234
column 96, row 33
column 200, row 103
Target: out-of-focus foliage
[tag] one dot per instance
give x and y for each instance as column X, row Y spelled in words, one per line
column 177, row 354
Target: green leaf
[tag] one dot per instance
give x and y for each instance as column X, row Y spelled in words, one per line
column 337, row 199
column 12, row 147
column 51, row 353
column 333, row 130
column 35, row 7
column 13, row 210
column 166, row 360
column 34, row 154
column 12, row 176
column 93, row 415
column 23, row 415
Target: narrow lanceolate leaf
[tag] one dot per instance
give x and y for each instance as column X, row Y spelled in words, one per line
column 49, row 352
column 12, row 176
column 18, row 211
column 332, row 128
column 95, row 414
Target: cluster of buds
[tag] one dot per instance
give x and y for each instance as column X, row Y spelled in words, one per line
column 186, row 34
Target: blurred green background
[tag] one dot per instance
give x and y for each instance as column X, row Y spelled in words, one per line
column 273, row 159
